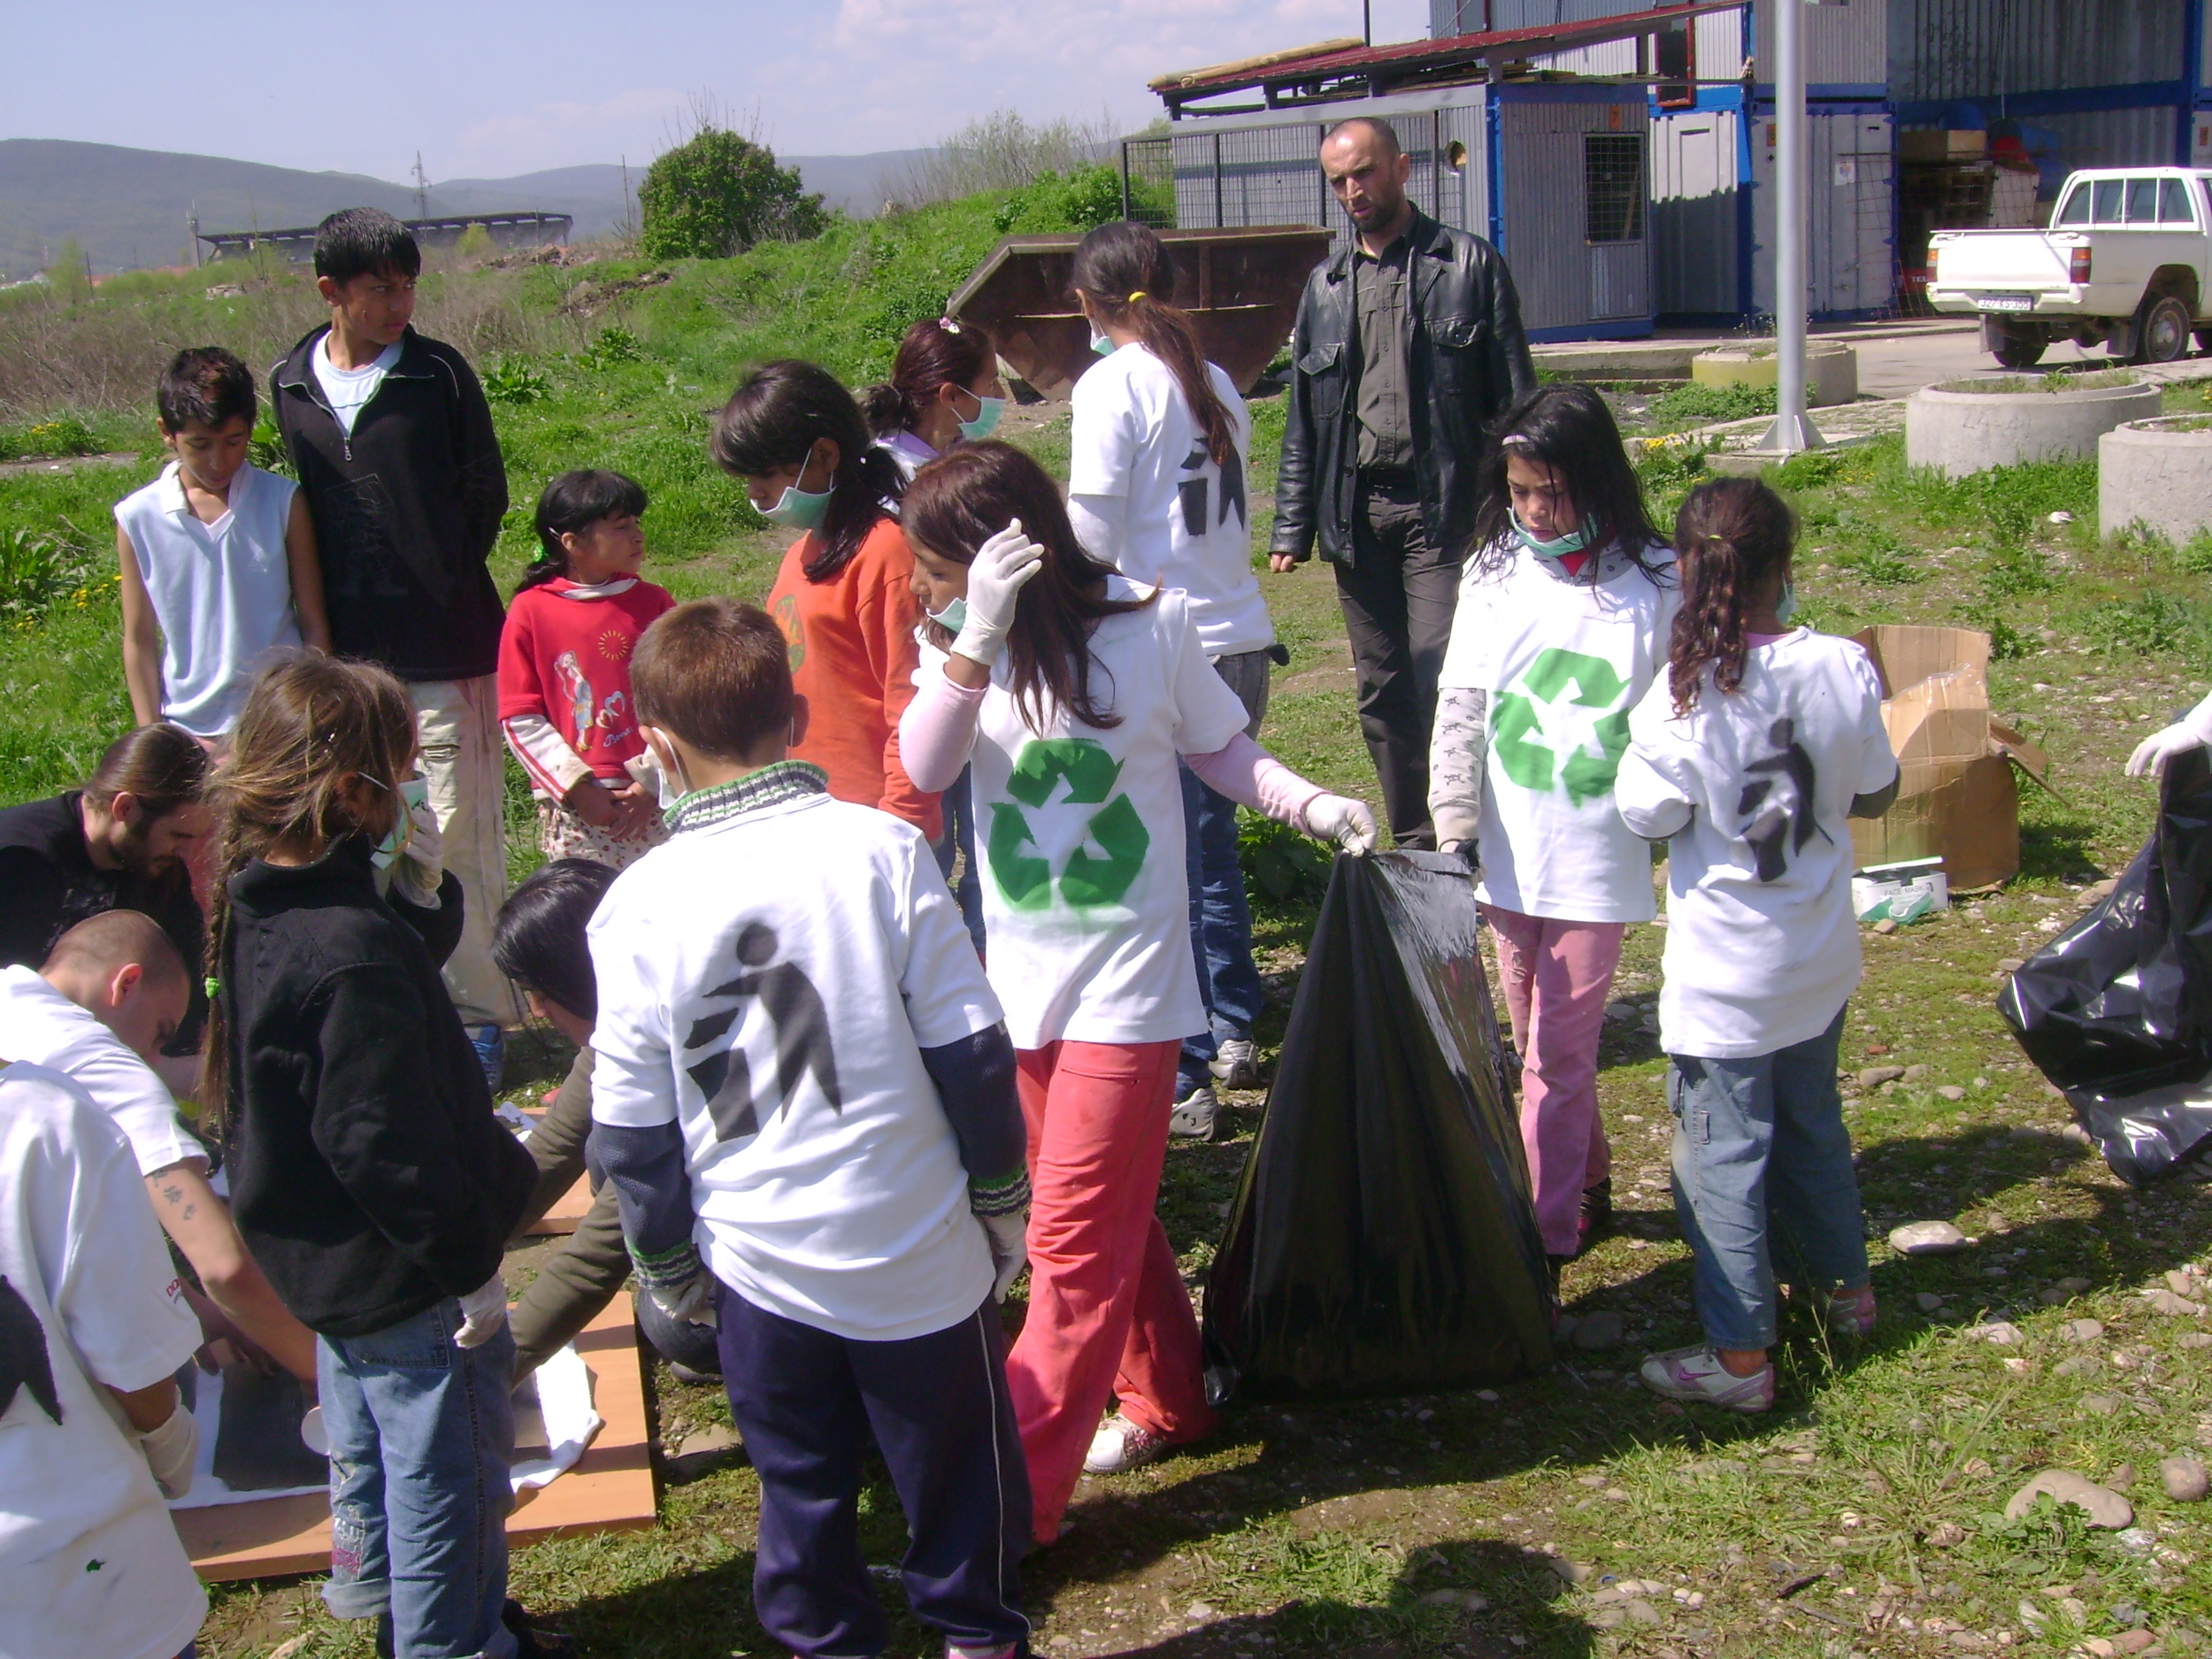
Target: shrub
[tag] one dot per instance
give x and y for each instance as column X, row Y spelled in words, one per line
column 612, row 345
column 1696, row 405
column 719, row 193
column 2148, row 625
column 63, row 436
column 1282, row 865
column 39, row 568
column 512, row 380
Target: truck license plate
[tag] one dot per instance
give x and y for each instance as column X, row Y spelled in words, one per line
column 2004, row 301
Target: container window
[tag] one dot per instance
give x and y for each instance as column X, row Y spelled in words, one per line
column 2075, row 211
column 2142, row 201
column 1674, row 61
column 1613, row 181
column 2173, row 202
column 2111, row 198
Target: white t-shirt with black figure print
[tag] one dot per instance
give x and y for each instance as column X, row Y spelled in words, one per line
column 1755, row 787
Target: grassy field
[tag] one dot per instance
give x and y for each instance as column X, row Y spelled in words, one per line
column 1571, row 1514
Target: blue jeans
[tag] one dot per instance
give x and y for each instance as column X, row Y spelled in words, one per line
column 967, row 892
column 1762, row 1178
column 421, row 1435
column 1220, row 917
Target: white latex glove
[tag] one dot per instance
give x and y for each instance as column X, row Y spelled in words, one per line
column 691, row 1302
column 483, row 1310
column 1335, row 817
column 1009, row 1239
column 420, row 865
column 1002, row 567
column 171, row 1451
column 2193, row 730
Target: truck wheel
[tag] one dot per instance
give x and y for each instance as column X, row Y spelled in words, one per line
column 2163, row 331
column 2021, row 347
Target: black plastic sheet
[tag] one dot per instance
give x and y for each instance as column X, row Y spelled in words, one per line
column 1383, row 1240
column 2117, row 1010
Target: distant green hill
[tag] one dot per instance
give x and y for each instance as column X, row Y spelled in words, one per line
column 128, row 207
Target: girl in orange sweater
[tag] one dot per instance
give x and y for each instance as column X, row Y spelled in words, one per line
column 844, row 594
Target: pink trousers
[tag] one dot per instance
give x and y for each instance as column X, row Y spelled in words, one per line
column 1556, row 977
column 1108, row 1312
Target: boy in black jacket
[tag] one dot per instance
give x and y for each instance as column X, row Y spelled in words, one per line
column 393, row 443
column 368, row 1174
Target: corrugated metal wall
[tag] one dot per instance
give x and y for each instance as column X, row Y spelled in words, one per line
column 1979, row 49
column 1611, row 58
column 1849, row 256
column 1564, row 281
column 1720, row 45
column 1695, row 196
column 1847, row 44
column 1536, row 14
column 2117, row 138
column 1259, row 173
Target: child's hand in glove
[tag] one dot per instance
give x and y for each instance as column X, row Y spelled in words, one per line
column 1002, row 567
column 1008, row 1236
column 1335, row 817
column 483, row 1310
column 690, row 1302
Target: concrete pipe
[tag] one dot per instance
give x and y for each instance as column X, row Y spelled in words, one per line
column 1962, row 426
column 2157, row 473
column 1831, row 369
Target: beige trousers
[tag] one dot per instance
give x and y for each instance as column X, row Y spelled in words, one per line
column 464, row 763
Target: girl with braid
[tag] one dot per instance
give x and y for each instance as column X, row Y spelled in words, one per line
column 1560, row 628
column 1748, row 757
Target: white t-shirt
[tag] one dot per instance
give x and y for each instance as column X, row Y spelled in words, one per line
column 1763, row 949
column 1081, row 833
column 769, row 983
column 222, row 592
column 1562, row 662
column 90, row 1561
column 39, row 1024
column 1187, row 522
column 348, row 390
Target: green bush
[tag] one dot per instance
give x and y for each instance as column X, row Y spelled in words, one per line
column 38, row 569
column 717, row 195
column 512, row 380
column 1696, row 405
column 1077, row 200
column 63, row 435
column 1280, row 864
column 612, row 345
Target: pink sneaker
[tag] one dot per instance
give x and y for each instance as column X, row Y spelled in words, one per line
column 1851, row 1312
column 1120, row 1446
column 1695, row 1376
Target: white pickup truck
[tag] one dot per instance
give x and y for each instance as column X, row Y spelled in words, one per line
column 2127, row 261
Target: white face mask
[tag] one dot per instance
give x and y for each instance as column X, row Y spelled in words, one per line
column 413, row 793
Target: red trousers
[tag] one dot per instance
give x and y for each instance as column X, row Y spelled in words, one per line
column 1108, row 1312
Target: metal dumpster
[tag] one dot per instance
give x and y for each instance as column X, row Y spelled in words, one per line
column 1240, row 287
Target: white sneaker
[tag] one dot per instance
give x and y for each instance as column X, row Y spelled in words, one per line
column 1695, row 1375
column 1236, row 1062
column 1194, row 1116
column 1120, row 1446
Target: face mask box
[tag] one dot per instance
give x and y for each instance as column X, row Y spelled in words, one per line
column 1901, row 892
column 1957, row 801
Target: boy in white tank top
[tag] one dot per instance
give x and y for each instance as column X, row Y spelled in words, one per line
column 216, row 556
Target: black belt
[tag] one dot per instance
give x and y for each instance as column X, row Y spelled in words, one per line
column 1396, row 477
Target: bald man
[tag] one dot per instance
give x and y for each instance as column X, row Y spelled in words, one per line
column 110, row 994
column 1408, row 346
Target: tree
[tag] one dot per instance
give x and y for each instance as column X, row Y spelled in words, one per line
column 717, row 194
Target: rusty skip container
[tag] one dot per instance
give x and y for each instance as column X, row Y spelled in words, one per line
column 1240, row 287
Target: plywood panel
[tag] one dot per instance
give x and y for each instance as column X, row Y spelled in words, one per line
column 611, row 1488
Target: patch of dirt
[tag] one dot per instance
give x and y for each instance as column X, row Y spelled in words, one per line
column 587, row 299
column 66, row 463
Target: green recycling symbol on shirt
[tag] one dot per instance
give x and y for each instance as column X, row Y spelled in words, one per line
column 1087, row 882
column 1518, row 728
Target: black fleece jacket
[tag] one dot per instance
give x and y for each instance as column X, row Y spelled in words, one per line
column 406, row 509
column 368, row 1175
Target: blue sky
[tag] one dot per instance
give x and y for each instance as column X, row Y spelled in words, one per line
column 486, row 88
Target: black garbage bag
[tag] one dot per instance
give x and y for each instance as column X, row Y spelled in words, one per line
column 1383, row 1240
column 2117, row 1010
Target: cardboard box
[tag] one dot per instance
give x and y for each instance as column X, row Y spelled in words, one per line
column 1935, row 145
column 1957, row 800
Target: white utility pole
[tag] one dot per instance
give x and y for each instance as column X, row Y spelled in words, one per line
column 1792, row 431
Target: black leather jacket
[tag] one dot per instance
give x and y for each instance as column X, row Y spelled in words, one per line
column 1468, row 364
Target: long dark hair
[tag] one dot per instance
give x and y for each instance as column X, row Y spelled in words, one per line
column 571, row 505
column 1569, row 429
column 161, row 766
column 773, row 420
column 310, row 722
column 936, row 352
column 1128, row 274
column 964, row 497
column 538, row 939
column 1733, row 536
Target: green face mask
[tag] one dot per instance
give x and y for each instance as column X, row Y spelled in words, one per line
column 799, row 509
column 1573, row 541
column 986, row 421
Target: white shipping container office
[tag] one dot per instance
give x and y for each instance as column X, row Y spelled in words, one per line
column 1555, row 175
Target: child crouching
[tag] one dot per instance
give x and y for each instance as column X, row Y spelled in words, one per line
column 803, row 1079
column 1750, row 754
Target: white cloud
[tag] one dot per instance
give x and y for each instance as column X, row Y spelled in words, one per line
column 638, row 122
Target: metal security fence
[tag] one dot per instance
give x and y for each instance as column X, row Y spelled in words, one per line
column 1148, row 181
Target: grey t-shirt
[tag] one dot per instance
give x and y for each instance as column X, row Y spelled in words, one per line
column 1384, row 402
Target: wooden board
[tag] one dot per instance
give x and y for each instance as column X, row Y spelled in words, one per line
column 611, row 1488
column 567, row 1214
